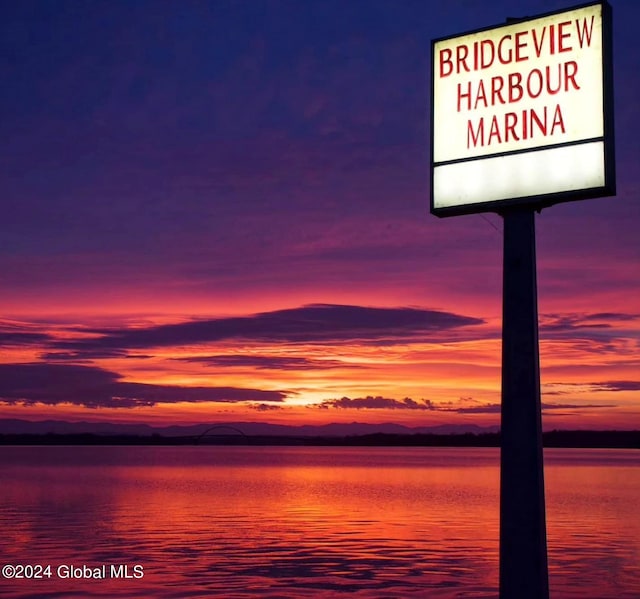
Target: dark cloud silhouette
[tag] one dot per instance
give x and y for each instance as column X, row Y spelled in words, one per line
column 377, row 403
column 612, row 316
column 85, row 355
column 594, row 333
column 22, row 338
column 265, row 407
column 566, row 388
column 268, row 362
column 320, row 323
column 572, row 321
column 563, row 406
column 490, row 408
column 615, row 386
column 95, row 387
column 494, row 408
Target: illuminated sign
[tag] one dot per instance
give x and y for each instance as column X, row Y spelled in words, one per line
column 522, row 113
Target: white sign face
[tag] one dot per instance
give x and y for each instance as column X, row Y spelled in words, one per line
column 519, row 112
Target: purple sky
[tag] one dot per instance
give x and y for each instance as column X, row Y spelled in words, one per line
column 238, row 162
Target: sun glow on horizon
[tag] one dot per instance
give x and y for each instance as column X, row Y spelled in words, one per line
column 315, row 364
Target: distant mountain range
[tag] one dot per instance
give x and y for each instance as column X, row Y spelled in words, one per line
column 61, row 427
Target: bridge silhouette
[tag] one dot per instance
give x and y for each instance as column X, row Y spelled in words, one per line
column 236, row 432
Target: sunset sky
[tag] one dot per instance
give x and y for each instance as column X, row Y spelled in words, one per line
column 219, row 211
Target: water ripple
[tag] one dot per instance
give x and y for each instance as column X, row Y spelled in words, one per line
column 322, row 522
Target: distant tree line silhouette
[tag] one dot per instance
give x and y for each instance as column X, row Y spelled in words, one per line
column 555, row 438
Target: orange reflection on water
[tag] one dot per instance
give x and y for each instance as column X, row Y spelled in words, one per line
column 322, row 522
column 593, row 528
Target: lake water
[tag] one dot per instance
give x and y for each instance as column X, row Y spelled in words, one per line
column 298, row 522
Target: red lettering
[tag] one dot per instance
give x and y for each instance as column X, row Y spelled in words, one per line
column 476, row 137
column 557, row 120
column 481, row 96
column 520, row 45
column 537, row 46
column 446, row 64
column 461, row 57
column 515, row 126
column 532, row 92
column 484, row 53
column 510, row 122
column 497, row 83
column 572, row 66
column 501, row 58
column 462, row 95
column 494, row 131
column 550, row 89
column 542, row 125
column 584, row 34
column 515, row 85
column 483, row 62
column 511, row 88
column 562, row 35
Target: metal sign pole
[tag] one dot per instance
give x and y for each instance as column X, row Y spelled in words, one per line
column 523, row 542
